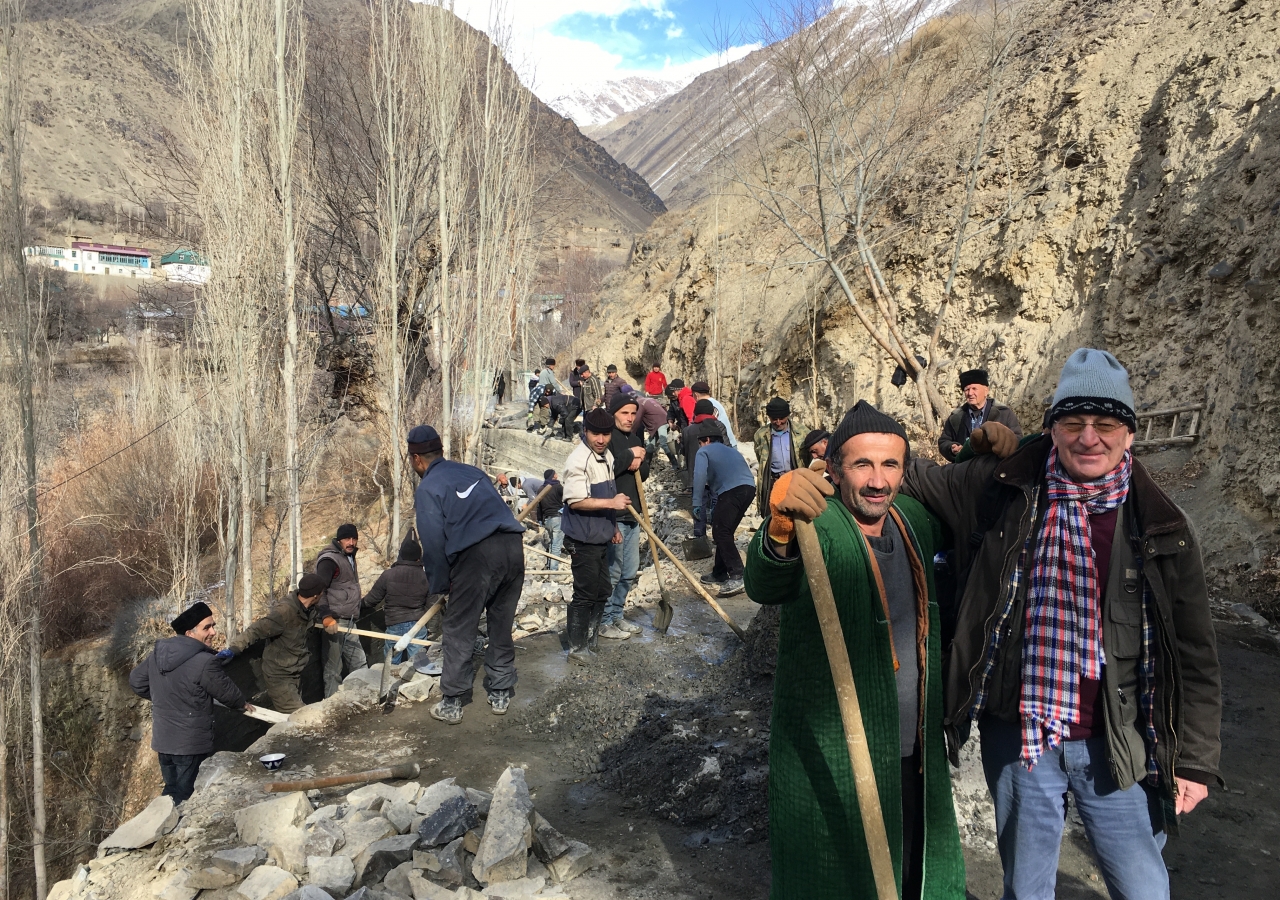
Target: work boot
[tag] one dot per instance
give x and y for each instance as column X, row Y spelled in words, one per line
column 611, row 632
column 729, row 588
column 576, row 631
column 712, row 578
column 499, row 701
column 628, row 626
column 448, row 710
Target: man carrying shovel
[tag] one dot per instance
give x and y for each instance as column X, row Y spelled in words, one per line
column 876, row 549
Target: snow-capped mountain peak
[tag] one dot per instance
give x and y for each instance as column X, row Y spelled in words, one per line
column 599, row 103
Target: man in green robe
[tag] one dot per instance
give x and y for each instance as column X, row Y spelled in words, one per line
column 878, row 549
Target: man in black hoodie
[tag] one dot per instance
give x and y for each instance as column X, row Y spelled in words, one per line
column 403, row 591
column 630, row 462
column 182, row 677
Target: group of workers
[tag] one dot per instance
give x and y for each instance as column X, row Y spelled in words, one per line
column 1079, row 639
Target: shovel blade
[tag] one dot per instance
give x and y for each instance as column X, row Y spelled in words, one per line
column 662, row 616
column 697, row 548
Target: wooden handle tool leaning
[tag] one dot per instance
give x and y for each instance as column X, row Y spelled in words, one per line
column 666, row 611
column 855, row 735
column 533, row 504
column 686, row 573
column 397, row 772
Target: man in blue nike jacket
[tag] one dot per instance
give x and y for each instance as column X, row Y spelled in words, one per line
column 471, row 550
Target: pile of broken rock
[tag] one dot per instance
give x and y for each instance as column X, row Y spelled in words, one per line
column 381, row 842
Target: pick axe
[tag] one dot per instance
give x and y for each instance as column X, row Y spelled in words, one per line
column 387, row 695
column 855, row 736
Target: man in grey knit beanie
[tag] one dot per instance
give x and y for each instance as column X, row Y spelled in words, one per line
column 1084, row 650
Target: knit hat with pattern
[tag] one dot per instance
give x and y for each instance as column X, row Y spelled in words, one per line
column 1093, row 383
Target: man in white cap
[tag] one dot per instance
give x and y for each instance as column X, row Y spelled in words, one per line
column 1084, row 648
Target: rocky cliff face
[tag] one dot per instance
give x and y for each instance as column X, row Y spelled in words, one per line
column 1139, row 144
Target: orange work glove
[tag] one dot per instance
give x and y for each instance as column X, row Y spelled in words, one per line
column 800, row 492
column 994, row 438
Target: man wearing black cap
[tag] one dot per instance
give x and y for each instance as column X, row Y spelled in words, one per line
column 814, row 446
column 704, row 422
column 591, row 391
column 340, row 607
column 976, row 409
column 591, row 504
column 877, row 548
column 182, row 677
column 1084, row 648
column 613, row 383
column 403, row 591
column 777, row 449
column 472, row 550
column 564, row 409
column 548, row 515
column 721, row 475
column 286, row 629
column 630, row 461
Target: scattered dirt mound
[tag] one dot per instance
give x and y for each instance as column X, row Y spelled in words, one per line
column 688, row 745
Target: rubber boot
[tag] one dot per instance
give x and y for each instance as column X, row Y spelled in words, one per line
column 577, row 629
column 597, row 613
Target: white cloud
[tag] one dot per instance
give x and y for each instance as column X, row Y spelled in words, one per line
column 554, row 65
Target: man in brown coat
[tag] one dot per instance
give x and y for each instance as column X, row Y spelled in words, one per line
column 1084, row 648
column 978, row 407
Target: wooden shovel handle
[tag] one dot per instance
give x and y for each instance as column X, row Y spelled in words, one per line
column 533, row 504
column 644, row 508
column 855, row 736
column 686, row 573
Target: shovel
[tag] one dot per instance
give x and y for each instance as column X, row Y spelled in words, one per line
column 533, row 504
column 662, row 618
column 386, row 692
column 680, row 567
column 855, row 735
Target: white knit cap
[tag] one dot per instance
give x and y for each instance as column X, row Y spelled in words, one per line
column 1094, row 383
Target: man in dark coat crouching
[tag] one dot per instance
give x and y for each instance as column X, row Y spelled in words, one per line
column 182, row 677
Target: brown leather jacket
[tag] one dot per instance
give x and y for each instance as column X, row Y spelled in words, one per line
column 1155, row 542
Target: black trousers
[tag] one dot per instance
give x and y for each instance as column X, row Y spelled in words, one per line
column 485, row 578
column 912, row 827
column 179, row 773
column 730, row 507
column 591, row 584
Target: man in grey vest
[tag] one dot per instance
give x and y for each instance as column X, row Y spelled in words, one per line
column 340, row 607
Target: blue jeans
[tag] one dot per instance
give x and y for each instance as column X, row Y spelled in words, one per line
column 557, row 541
column 624, row 566
column 398, row 631
column 1031, row 809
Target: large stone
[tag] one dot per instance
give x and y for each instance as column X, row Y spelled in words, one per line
column 335, row 874
column 397, row 880
column 239, row 861
column 548, row 844
column 310, row 892
column 177, row 887
column 258, row 823
column 63, row 890
column 267, row 883
column 287, row 848
column 400, row 814
column 426, row 890
column 364, row 679
column 361, row 834
column 217, row 767
column 504, row 850
column 158, row 819
column 382, row 856
column 211, row 878
column 436, row 794
column 465, row 893
column 453, row 863
column 324, row 838
column 324, row 812
column 363, row 797
column 520, row 889
column 572, row 864
column 419, row 689
column 481, row 799
column 409, row 792
column 426, row 860
column 454, row 817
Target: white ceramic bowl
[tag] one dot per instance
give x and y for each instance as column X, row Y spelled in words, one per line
column 271, row 761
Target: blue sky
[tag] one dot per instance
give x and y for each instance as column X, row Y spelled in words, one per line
column 560, row 45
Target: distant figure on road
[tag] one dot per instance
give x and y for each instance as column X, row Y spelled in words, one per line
column 286, row 629
column 976, row 409
column 472, row 550
column 722, row 474
column 592, row 391
column 575, row 379
column 182, row 677
column 655, row 383
column 340, row 607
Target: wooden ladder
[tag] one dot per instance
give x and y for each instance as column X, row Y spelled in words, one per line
column 1188, row 416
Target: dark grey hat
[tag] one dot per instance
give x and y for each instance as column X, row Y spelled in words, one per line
column 864, row 419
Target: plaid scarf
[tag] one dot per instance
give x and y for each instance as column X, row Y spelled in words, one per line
column 1064, row 618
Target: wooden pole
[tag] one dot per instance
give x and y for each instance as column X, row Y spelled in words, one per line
column 380, row 634
column 559, row 559
column 398, row 772
column 661, row 619
column 855, row 736
column 686, row 573
column 533, row 504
